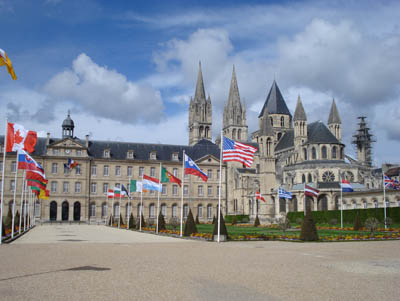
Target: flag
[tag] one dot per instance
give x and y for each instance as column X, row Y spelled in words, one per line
column 4, row 60
column 388, row 181
column 44, row 194
column 396, row 184
column 135, row 186
column 70, row 164
column 259, row 196
column 35, row 190
column 110, row 193
column 167, row 177
column 117, row 192
column 236, row 151
column 282, row 193
column 37, row 183
column 346, row 187
column 150, row 183
column 124, row 191
column 309, row 191
column 27, row 162
column 192, row 169
column 35, row 175
column 19, row 138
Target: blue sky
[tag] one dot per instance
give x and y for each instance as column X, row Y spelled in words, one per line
column 127, row 69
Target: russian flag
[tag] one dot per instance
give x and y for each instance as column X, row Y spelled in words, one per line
column 192, row 169
column 346, row 187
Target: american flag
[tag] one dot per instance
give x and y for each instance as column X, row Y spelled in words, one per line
column 236, row 151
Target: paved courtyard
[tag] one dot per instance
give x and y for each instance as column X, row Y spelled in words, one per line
column 82, row 262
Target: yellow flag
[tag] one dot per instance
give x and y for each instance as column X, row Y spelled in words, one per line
column 43, row 195
column 4, row 60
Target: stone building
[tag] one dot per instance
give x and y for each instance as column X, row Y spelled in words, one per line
column 291, row 152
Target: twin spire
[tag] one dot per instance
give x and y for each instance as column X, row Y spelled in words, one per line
column 200, row 93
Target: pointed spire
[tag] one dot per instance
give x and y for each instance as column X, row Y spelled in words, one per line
column 234, row 97
column 275, row 104
column 266, row 127
column 334, row 114
column 200, row 93
column 299, row 113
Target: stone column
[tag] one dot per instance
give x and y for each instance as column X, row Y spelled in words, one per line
column 59, row 211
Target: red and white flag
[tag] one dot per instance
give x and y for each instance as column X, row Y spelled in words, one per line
column 259, row 196
column 19, row 138
column 309, row 191
column 110, row 193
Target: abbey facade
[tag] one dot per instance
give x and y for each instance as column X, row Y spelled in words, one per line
column 291, row 153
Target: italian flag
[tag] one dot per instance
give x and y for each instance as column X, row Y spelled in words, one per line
column 135, row 186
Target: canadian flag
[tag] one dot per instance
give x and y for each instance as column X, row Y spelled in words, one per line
column 19, row 138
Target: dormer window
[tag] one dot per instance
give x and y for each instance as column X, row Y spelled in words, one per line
column 106, row 153
column 129, row 155
column 175, row 157
column 153, row 156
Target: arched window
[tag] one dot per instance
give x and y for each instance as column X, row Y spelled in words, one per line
column 279, row 136
column 334, row 152
column 375, row 204
column 116, row 210
column 309, row 178
column 200, row 210
column 92, row 211
column 207, row 132
column 272, row 121
column 185, row 210
column 152, row 211
column 303, row 178
column 305, row 153
column 174, row 210
column 104, row 209
column 269, row 145
column 209, row 211
column 37, row 209
column 234, row 134
column 313, row 153
column 139, row 210
column 282, row 121
column 341, row 153
column 128, row 209
column 323, row 151
column 239, row 134
column 164, row 210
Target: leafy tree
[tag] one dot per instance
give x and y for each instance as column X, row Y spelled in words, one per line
column 371, row 224
column 308, row 229
column 283, row 222
column 161, row 222
column 256, row 221
column 190, row 225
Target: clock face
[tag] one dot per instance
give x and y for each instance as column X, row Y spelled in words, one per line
column 67, row 151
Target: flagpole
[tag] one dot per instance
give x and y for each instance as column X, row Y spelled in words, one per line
column 112, row 210
column 341, row 200
column 158, row 200
column 3, row 180
column 120, row 202
column 384, row 197
column 129, row 205
column 25, row 215
column 141, row 206
column 105, row 222
column 219, row 190
column 183, row 181
column 15, row 194
column 305, row 197
column 22, row 197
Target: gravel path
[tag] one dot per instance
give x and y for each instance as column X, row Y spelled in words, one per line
column 109, row 264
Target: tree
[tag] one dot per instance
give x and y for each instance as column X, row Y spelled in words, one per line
column 16, row 221
column 131, row 221
column 283, row 222
column 214, row 220
column 8, row 221
column 197, row 220
column 110, row 221
column 256, row 221
column 161, row 222
column 190, row 225
column 223, row 230
column 371, row 224
column 308, row 229
column 3, row 230
column 357, row 222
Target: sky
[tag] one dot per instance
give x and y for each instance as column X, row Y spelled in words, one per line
column 126, row 69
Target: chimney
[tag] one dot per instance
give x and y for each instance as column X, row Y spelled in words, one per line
column 87, row 141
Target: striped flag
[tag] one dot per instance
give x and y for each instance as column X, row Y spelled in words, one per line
column 282, row 193
column 150, row 183
column 259, row 196
column 110, row 193
column 310, row 191
column 346, row 187
column 388, row 181
column 236, row 151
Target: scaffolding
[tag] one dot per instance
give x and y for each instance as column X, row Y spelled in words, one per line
column 363, row 139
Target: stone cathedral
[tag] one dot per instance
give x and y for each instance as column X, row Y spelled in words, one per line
column 292, row 152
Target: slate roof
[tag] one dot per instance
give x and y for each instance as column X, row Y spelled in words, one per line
column 299, row 113
column 275, row 104
column 334, row 114
column 317, row 132
column 286, row 141
column 246, row 170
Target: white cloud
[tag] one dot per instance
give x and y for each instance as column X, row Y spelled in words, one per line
column 105, row 93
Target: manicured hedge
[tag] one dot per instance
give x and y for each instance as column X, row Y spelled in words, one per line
column 239, row 218
column 349, row 215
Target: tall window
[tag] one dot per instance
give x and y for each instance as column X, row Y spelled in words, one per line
column 282, row 121
column 218, row 174
column 92, row 211
column 334, row 152
column 209, row 190
column 117, row 170
column 175, row 172
column 141, row 171
column 185, row 189
column 313, row 153
column 105, row 171
column 164, row 209
column 209, row 211
column 54, row 168
column 93, row 188
column 175, row 189
column 152, row 211
column 152, row 172
column 185, row 210
column 129, row 171
column 77, row 187
column 174, row 210
column 209, row 173
column 323, row 151
column 105, row 187
column 13, row 166
column 200, row 190
column 164, row 189
column 309, row 178
column 37, row 209
column 53, row 186
column 65, row 187
column 94, row 170
column 200, row 210
column 303, row 178
column 78, row 169
column 12, row 185
column 305, row 153
column 104, row 210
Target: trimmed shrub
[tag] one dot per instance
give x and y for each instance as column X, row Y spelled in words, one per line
column 161, row 222
column 240, row 218
column 256, row 221
column 372, row 224
column 3, row 230
column 388, row 221
column 121, row 221
column 299, row 220
column 131, row 221
column 197, row 220
column 333, row 221
column 308, row 229
column 190, row 226
column 357, row 222
column 138, row 223
column 283, row 222
column 222, row 230
column 16, row 221
column 110, row 221
column 8, row 219
column 213, row 221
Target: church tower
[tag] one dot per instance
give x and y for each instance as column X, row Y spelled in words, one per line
column 334, row 122
column 234, row 120
column 363, row 140
column 280, row 117
column 68, row 127
column 300, row 129
column 200, row 113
